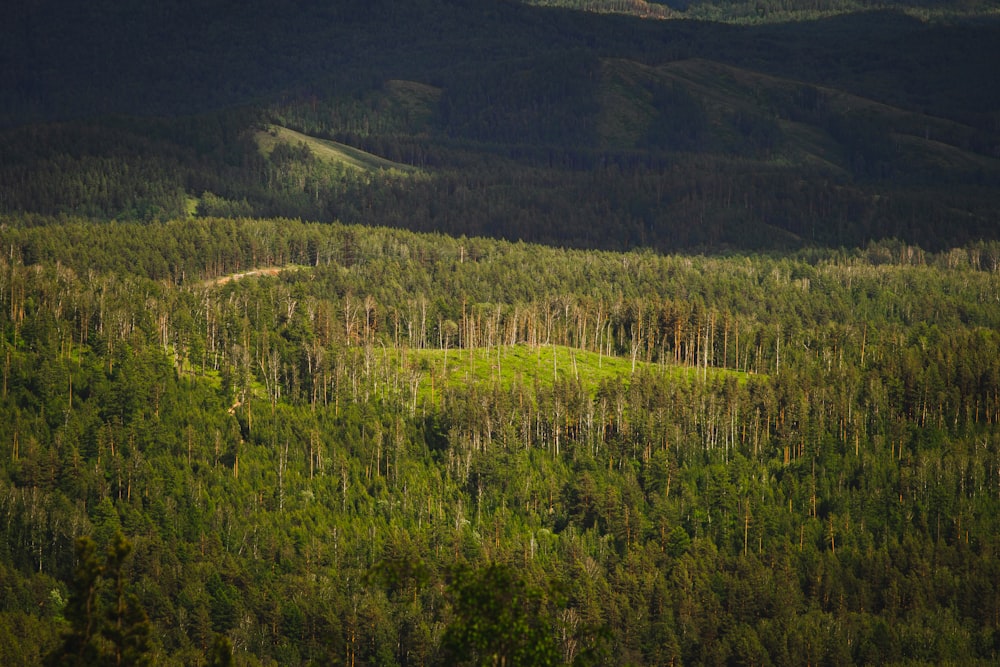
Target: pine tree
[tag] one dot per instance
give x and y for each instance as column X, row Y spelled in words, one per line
column 499, row 620
column 108, row 627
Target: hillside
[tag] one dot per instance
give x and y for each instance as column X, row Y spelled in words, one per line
column 660, row 458
column 551, row 126
column 691, row 153
column 478, row 332
column 330, row 152
column 757, row 12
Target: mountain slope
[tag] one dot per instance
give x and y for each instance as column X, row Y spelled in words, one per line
column 331, row 152
column 312, row 465
column 66, row 60
column 545, row 125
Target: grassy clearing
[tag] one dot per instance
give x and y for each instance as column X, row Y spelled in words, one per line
column 328, row 151
column 542, row 366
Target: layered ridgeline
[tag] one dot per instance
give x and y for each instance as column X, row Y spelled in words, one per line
column 358, row 445
column 504, row 120
column 348, row 442
column 770, row 11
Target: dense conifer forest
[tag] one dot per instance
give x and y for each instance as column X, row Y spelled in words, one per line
column 460, row 332
column 643, row 458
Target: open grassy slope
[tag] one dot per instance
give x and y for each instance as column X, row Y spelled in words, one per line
column 331, row 152
column 508, row 367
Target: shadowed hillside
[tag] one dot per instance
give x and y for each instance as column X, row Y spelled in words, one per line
column 542, row 124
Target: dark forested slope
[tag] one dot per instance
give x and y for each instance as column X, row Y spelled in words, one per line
column 528, row 123
column 62, row 59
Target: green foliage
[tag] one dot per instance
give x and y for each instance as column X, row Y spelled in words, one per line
column 337, row 444
column 222, row 653
column 370, row 448
column 499, row 620
column 107, row 625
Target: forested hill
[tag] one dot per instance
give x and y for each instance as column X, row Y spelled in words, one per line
column 548, row 125
column 392, row 448
column 460, row 332
column 66, row 60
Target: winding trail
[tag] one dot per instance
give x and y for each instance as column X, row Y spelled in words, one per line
column 264, row 271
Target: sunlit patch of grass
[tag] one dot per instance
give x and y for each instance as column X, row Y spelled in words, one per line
column 543, row 366
column 327, row 151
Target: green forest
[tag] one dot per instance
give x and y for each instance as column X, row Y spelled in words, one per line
column 366, row 453
column 462, row 332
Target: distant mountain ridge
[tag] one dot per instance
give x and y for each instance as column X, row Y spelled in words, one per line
column 62, row 59
column 532, row 123
column 765, row 11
